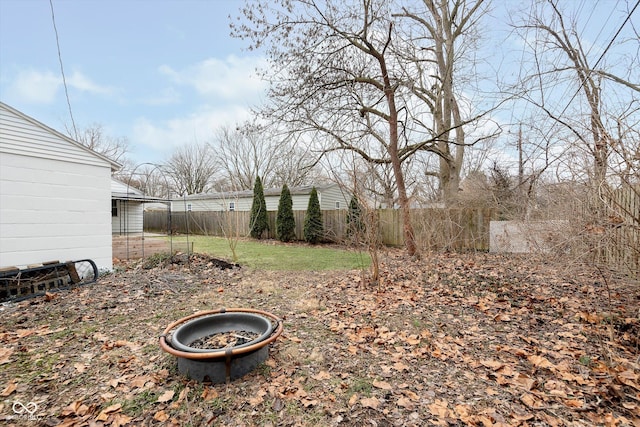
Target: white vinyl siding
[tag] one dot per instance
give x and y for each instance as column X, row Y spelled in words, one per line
column 45, row 218
column 21, row 136
column 327, row 196
column 55, row 198
column 129, row 218
column 299, row 202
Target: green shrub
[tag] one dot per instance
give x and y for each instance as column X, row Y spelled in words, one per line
column 259, row 221
column 313, row 228
column 285, row 221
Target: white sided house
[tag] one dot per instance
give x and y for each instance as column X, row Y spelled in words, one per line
column 55, row 196
column 127, row 208
column 330, row 196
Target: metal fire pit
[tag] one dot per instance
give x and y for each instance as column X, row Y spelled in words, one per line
column 222, row 364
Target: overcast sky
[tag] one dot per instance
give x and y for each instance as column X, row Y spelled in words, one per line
column 163, row 73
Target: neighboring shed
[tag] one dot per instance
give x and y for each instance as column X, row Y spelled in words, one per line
column 127, row 207
column 55, row 195
column 331, row 197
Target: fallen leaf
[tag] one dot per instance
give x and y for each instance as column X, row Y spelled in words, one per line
column 72, row 409
column 255, row 401
column 353, row 399
column 411, row 395
column 492, row 364
column 574, row 403
column 412, row 340
column 98, row 336
column 104, row 414
column 307, row 403
column 439, row 408
column 530, row 400
column 166, row 396
column 120, row 420
column 540, row 362
column 383, row 385
column 399, row 366
column 10, row 388
column 405, row 403
column 322, row 375
column 140, row 381
column 524, row 382
column 491, row 392
column 5, row 353
column 629, row 378
column 370, row 402
column 464, row 413
column 113, row 408
column 23, row 333
column 161, row 416
column 208, row 394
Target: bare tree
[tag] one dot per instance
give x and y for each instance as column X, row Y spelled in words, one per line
column 191, row 168
column 94, row 138
column 251, row 150
column 336, row 83
column 447, row 31
column 607, row 101
column 363, row 75
column 151, row 179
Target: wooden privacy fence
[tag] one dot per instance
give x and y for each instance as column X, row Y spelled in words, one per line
column 454, row 229
column 619, row 242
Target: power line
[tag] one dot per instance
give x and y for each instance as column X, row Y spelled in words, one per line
column 64, row 79
column 586, row 55
column 590, row 70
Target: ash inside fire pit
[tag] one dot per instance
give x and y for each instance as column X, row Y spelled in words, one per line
column 224, row 340
column 221, row 331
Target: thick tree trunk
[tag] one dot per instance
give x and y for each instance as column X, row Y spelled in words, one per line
column 403, row 200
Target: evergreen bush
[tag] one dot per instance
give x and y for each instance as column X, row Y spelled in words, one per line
column 285, row 221
column 313, row 228
column 259, row 220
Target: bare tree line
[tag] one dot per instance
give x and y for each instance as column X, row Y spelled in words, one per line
column 388, row 97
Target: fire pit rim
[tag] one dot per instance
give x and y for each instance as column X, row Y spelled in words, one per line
column 177, row 338
column 223, row 353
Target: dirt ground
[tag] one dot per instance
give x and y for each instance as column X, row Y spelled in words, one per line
column 473, row 339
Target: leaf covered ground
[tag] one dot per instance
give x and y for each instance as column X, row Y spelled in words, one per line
column 472, row 339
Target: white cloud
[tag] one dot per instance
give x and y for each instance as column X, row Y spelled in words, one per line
column 232, row 78
column 162, row 138
column 35, row 87
column 227, row 86
column 41, row 87
column 81, row 82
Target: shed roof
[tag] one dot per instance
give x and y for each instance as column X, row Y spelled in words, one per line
column 122, row 191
